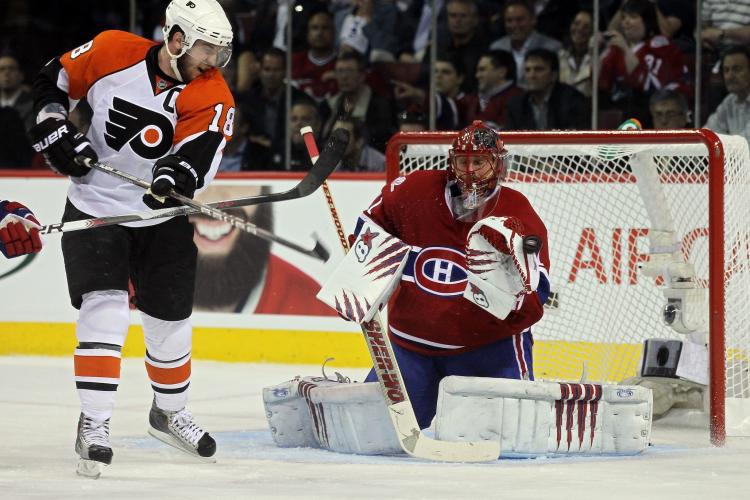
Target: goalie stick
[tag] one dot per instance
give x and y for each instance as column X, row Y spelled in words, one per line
column 404, row 420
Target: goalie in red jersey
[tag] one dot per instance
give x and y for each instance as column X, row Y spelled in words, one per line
column 472, row 261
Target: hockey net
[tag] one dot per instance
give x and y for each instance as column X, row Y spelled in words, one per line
column 602, row 308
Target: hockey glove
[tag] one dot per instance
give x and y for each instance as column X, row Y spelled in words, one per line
column 500, row 272
column 19, row 230
column 170, row 172
column 60, row 142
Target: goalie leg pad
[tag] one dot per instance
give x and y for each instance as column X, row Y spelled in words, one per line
column 533, row 419
column 320, row 413
column 367, row 276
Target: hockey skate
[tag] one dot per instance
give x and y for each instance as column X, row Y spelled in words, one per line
column 92, row 446
column 178, row 429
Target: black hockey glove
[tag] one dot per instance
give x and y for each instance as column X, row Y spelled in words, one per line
column 60, row 142
column 170, row 172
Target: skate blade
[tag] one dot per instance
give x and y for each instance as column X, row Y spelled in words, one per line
column 89, row 468
column 166, row 438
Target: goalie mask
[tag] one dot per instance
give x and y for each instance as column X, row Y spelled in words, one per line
column 477, row 166
column 199, row 20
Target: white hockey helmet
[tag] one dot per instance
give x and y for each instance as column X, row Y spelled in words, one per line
column 200, row 20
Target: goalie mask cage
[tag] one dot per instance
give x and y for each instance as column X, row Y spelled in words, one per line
column 602, row 308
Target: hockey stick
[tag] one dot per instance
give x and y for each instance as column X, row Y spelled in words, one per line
column 319, row 252
column 329, row 159
column 400, row 409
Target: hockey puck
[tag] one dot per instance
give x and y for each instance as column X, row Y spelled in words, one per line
column 532, row 244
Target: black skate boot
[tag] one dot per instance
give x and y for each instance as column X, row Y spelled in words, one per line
column 178, row 429
column 92, row 446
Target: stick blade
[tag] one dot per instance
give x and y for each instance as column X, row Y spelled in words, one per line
column 329, row 159
column 415, row 443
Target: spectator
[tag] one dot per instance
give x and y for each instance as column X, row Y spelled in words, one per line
column 359, row 157
column 522, row 37
column 412, row 121
column 669, row 110
column 553, row 18
column 13, row 94
column 369, row 27
column 546, row 104
column 575, row 58
column 356, row 98
column 675, row 20
column 264, row 109
column 235, row 158
column 449, row 75
column 725, row 23
column 447, row 81
column 304, row 113
column 312, row 69
column 732, row 116
column 465, row 39
column 496, row 74
column 639, row 61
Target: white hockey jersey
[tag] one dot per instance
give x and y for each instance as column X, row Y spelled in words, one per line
column 140, row 114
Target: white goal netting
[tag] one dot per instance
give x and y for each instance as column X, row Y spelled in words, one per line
column 582, row 185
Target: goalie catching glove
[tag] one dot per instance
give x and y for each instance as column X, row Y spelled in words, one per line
column 501, row 268
column 171, row 172
column 367, row 276
column 19, row 230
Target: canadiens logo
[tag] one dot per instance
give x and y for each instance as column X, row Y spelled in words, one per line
column 148, row 133
column 440, row 271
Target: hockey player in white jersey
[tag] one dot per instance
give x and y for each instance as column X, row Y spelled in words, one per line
column 161, row 112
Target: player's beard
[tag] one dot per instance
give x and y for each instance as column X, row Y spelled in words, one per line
column 227, row 281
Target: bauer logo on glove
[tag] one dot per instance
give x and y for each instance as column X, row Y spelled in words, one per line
column 367, row 276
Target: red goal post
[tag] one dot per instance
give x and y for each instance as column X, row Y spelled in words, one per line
column 598, row 218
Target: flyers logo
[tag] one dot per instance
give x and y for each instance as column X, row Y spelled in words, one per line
column 148, row 133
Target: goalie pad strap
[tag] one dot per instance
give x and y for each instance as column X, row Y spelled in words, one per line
column 543, row 418
column 367, row 276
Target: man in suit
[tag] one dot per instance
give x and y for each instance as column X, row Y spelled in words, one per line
column 547, row 104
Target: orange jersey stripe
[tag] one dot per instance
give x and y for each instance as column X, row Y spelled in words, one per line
column 205, row 104
column 168, row 376
column 97, row 366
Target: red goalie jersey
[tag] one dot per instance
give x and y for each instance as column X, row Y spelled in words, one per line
column 428, row 313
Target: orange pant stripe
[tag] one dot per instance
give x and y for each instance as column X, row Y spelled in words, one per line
column 97, row 366
column 169, row 376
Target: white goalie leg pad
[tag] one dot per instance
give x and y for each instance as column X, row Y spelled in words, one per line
column 321, row 413
column 355, row 419
column 367, row 276
column 532, row 419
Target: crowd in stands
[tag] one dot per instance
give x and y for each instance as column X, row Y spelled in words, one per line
column 365, row 65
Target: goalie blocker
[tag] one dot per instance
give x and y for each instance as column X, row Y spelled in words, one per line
column 530, row 419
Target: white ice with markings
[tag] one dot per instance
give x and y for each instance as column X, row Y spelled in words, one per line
column 39, row 411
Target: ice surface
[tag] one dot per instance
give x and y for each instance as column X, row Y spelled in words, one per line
column 39, row 410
